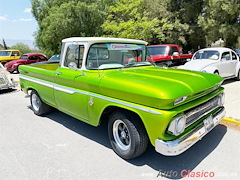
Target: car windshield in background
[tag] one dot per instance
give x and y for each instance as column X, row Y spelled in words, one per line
column 158, row 50
column 24, row 57
column 113, row 55
column 55, row 58
column 212, row 54
column 5, row 53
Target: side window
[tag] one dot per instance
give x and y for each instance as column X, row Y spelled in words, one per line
column 74, row 54
column 15, row 53
column 234, row 56
column 172, row 50
column 32, row 58
column 41, row 58
column 226, row 55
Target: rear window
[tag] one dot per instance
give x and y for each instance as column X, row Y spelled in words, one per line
column 24, row 57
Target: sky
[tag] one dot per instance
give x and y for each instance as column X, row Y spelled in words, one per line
column 16, row 20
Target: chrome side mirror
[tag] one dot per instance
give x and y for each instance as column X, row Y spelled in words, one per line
column 175, row 54
column 72, row 66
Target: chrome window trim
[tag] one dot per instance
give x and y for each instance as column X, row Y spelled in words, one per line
column 72, row 91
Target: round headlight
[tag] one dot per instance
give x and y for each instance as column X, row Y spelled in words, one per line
column 180, row 124
column 177, row 126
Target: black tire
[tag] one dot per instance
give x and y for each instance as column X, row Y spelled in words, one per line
column 17, row 70
column 127, row 134
column 238, row 76
column 216, row 72
column 38, row 106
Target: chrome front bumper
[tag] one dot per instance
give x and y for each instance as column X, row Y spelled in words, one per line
column 176, row 147
column 8, row 85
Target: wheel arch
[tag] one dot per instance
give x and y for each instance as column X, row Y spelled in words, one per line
column 211, row 69
column 106, row 113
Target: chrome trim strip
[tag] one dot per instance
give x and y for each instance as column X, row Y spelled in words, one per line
column 176, row 147
column 44, row 83
column 72, row 91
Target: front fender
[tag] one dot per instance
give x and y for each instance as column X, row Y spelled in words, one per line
column 210, row 69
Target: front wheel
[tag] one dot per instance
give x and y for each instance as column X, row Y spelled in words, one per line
column 38, row 106
column 127, row 135
column 238, row 76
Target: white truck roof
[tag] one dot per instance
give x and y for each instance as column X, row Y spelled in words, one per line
column 103, row 40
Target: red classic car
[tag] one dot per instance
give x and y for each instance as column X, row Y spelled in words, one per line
column 168, row 54
column 25, row 59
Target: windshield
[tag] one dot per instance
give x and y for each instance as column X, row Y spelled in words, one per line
column 114, row 55
column 5, row 53
column 207, row 54
column 158, row 50
column 24, row 57
column 55, row 58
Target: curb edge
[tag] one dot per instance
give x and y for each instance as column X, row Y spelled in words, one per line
column 230, row 120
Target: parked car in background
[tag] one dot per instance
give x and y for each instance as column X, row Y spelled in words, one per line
column 238, row 52
column 168, row 54
column 6, row 81
column 25, row 59
column 55, row 58
column 52, row 60
column 220, row 61
column 9, row 55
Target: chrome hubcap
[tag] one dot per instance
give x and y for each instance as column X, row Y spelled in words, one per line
column 121, row 134
column 35, row 102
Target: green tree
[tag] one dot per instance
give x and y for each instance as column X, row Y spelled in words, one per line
column 23, row 48
column 157, row 21
column 221, row 19
column 59, row 19
column 1, row 47
column 131, row 19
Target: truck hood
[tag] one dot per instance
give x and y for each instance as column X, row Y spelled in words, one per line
column 197, row 65
column 155, row 86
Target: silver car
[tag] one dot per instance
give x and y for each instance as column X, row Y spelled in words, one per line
column 6, row 82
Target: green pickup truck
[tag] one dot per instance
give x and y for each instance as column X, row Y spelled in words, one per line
column 114, row 80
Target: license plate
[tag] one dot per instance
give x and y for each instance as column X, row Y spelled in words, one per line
column 208, row 123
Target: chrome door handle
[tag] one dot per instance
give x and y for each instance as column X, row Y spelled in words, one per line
column 58, row 73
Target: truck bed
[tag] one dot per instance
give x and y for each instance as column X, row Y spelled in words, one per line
column 41, row 71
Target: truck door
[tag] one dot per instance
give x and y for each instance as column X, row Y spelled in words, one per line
column 69, row 91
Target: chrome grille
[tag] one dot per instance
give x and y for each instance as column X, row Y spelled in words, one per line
column 195, row 114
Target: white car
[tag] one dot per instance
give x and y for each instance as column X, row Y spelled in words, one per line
column 6, row 81
column 221, row 61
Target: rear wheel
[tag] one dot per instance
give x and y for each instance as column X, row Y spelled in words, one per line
column 127, row 135
column 17, row 70
column 238, row 76
column 38, row 106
